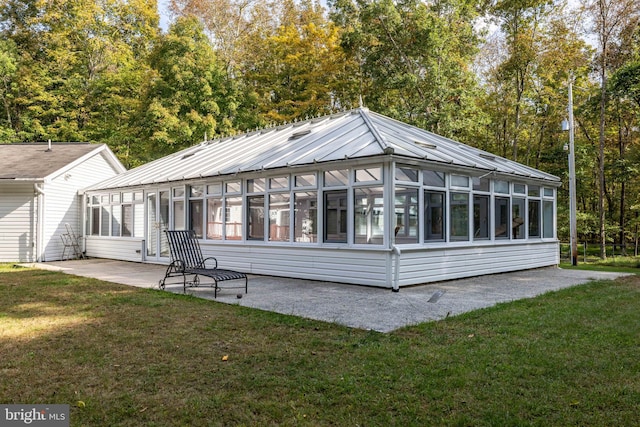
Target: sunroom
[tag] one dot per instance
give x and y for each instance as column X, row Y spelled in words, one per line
column 354, row 197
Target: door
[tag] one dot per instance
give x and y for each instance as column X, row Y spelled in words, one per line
column 157, row 221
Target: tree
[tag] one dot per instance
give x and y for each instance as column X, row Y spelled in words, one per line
column 611, row 18
column 8, row 68
column 188, row 95
column 301, row 70
column 416, row 60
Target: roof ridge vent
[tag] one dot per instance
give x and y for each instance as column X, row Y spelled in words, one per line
column 487, row 156
column 300, row 134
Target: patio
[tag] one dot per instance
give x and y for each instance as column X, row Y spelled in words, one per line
column 349, row 305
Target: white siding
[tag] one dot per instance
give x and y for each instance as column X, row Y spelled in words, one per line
column 126, row 249
column 63, row 205
column 360, row 267
column 18, row 206
column 422, row 266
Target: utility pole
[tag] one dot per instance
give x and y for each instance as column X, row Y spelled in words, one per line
column 572, row 181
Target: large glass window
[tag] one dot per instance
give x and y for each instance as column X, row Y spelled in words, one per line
column 214, row 218
column 106, row 221
column 434, row 215
column 255, row 217
column 547, row 219
column 369, row 215
column 306, row 216
column 127, row 220
column 233, row 218
column 480, row 217
column 116, row 220
column 335, row 216
column 196, row 217
column 534, row 218
column 406, row 215
column 459, row 203
column 279, row 217
column 501, row 214
column 517, row 218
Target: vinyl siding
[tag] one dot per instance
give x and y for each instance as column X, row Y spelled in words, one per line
column 353, row 266
column 18, row 206
column 63, row 205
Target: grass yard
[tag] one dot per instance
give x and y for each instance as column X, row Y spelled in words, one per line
column 123, row 356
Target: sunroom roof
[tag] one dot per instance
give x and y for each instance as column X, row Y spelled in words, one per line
column 350, row 135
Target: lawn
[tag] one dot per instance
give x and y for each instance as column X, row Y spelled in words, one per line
column 123, row 356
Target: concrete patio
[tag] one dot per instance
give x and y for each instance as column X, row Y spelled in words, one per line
column 354, row 306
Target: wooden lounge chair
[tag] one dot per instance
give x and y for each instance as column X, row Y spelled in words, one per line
column 187, row 261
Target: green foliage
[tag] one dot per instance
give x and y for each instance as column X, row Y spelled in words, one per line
column 188, row 94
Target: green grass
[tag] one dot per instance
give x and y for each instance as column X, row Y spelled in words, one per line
column 136, row 357
column 617, row 264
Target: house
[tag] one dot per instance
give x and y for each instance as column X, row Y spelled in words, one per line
column 354, row 197
column 39, row 186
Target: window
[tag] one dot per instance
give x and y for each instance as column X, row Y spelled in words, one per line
column 517, row 217
column 534, row 218
column 548, row 192
column 534, row 191
column 459, row 216
column 481, row 184
column 406, row 215
column 433, row 179
column 279, row 217
column 127, row 220
column 280, row 183
column 336, row 178
column 233, row 218
column 256, row 185
column 105, row 225
column 255, row 217
column 307, row 180
column 178, row 215
column 480, row 217
column 459, row 181
column 407, row 174
column 369, row 174
column 501, row 187
column 232, row 187
column 335, row 216
column 501, row 215
column 369, row 215
column 547, row 219
column 195, row 217
column 95, row 220
column 519, row 189
column 116, row 220
column 305, row 216
column 433, row 215
column 214, row 218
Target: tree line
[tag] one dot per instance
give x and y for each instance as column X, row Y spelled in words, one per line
column 489, row 73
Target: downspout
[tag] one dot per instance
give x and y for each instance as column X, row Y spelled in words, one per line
column 40, row 222
column 396, row 272
column 391, row 224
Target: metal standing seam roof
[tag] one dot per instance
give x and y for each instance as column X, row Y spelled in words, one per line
column 350, row 135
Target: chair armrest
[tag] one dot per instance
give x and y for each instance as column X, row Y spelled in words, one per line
column 207, row 261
